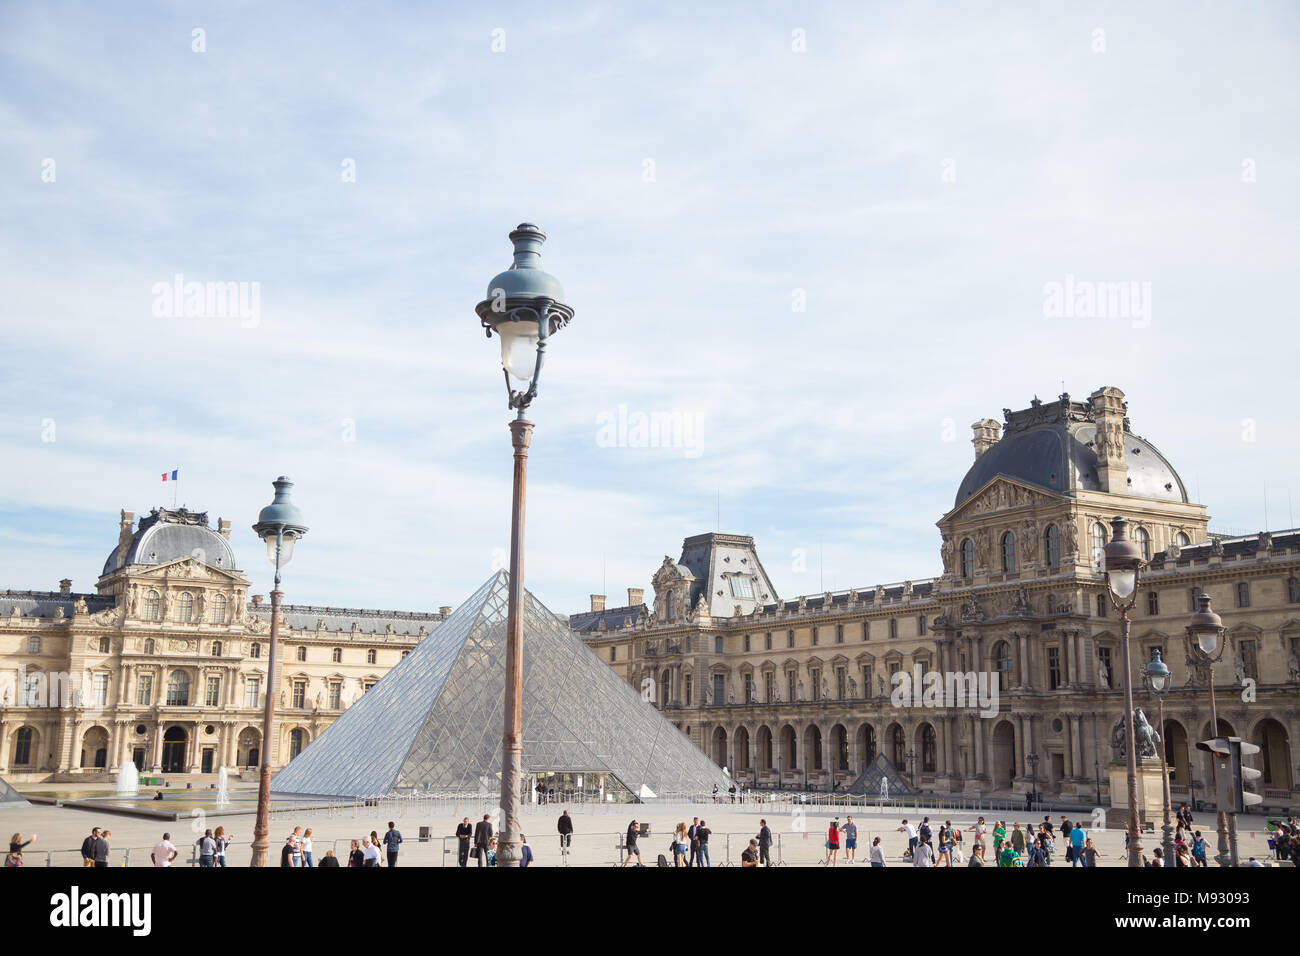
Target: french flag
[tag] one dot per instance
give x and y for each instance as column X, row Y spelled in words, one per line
column 172, row 476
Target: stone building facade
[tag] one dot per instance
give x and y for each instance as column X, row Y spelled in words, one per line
column 800, row 693
column 165, row 664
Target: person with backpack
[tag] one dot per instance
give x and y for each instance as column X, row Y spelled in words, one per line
column 1198, row 849
column 392, row 840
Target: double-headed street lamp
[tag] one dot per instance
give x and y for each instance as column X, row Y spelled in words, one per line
column 524, row 307
column 1123, row 571
column 1205, row 644
column 279, row 524
column 1159, row 681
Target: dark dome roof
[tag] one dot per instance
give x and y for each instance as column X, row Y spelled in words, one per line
column 167, row 535
column 1057, row 455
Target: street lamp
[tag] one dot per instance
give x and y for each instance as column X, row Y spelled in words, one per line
column 910, row 757
column 524, row 307
column 279, row 524
column 1033, row 786
column 1158, row 682
column 1123, row 571
column 1096, row 766
column 1205, row 644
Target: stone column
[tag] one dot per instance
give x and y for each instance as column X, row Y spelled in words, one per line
column 977, row 744
column 1028, row 721
column 157, row 746
column 1019, row 751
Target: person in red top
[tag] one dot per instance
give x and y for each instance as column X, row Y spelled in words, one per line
column 832, row 843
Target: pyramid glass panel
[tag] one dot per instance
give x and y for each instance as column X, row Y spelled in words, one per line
column 434, row 722
column 868, row 782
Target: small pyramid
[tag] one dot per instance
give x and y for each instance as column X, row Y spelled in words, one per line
column 9, row 797
column 868, row 782
column 434, row 722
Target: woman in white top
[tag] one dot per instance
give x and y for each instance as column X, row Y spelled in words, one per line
column 681, row 844
column 306, row 848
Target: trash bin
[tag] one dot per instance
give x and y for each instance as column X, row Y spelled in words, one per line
column 424, row 834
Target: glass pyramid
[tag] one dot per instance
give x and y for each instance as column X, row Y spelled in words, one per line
column 868, row 782
column 433, row 723
column 9, row 796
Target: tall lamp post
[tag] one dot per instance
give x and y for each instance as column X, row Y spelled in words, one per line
column 279, row 524
column 1205, row 644
column 524, row 307
column 1158, row 680
column 910, row 757
column 1123, row 571
column 1033, row 771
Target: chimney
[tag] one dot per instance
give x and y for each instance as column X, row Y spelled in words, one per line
column 65, row 586
column 1108, row 411
column 223, row 527
column 986, row 435
column 635, row 596
column 257, row 600
column 445, row 610
column 598, row 602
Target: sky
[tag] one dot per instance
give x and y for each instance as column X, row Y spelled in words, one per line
column 821, row 238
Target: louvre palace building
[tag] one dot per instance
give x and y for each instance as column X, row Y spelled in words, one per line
column 164, row 664
column 796, row 692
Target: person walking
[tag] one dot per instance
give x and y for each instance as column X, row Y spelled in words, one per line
column 306, row 848
column 100, row 855
column 1077, row 839
column 369, row 853
column 356, row 857
column 565, row 826
column 222, row 841
column 392, row 840
column 764, row 844
column 633, row 831
column 877, row 852
column 207, row 849
column 945, row 845
column 88, row 847
column 1090, row 853
column 979, row 829
column 833, row 843
column 1198, row 849
column 680, row 844
column 999, row 834
column 850, row 840
column 374, row 839
column 525, row 852
column 163, row 851
column 482, row 837
column 702, row 835
column 463, row 834
column 923, row 855
column 1017, row 839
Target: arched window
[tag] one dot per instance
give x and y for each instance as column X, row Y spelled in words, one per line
column 255, row 650
column 1143, row 540
column 178, row 689
column 148, row 645
column 23, row 747
column 968, row 558
column 1097, row 542
column 216, row 648
column 302, row 653
column 1052, row 545
column 185, row 607
column 1008, row 552
column 219, row 610
column 928, row 749
column 1182, row 540
column 296, row 740
column 899, row 748
column 338, row 655
column 370, row 656
column 151, row 606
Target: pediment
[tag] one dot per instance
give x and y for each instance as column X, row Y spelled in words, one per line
column 183, row 569
column 1001, row 494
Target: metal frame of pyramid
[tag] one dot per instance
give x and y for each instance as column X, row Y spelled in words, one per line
column 9, row 797
column 434, row 722
column 868, row 782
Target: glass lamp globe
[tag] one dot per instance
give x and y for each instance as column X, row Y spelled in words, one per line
column 1122, row 583
column 519, row 348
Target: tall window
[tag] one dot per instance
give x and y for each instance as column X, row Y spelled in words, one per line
column 1008, row 552
column 814, row 635
column 299, row 694
column 1293, row 590
column 185, row 607
column 302, row 652
column 867, row 689
column 1153, row 603
column 769, row 685
column 33, row 645
column 866, row 630
column 815, row 675
column 1053, row 668
column 791, row 689
column 1101, row 605
column 144, row 690
column 336, row 695
column 1143, row 540
column 103, row 645
column 148, row 645
column 613, row 653
column 1052, row 545
column 255, row 651
column 746, row 643
column 968, row 558
column 749, row 688
column 337, row 655
column 672, row 606
column 100, row 689
column 23, row 747
column 1002, row 659
column 34, row 690
column 212, row 694
column 219, row 615
column 370, row 656
column 920, row 624
column 841, row 684
column 717, row 644
column 928, row 749
column 1243, row 594
column 687, row 689
column 767, row 641
column 151, row 606
column 178, row 689
column 1107, row 672
column 216, row 648
column 1194, row 594
column 1250, row 659
column 1097, row 542
column 252, row 690
column 789, row 638
column 839, row 633
column 893, row 628
column 900, row 749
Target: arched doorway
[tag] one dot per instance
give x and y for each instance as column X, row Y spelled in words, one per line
column 812, row 742
column 764, row 748
column 897, row 747
column 720, row 747
column 742, row 748
column 247, row 753
column 789, row 749
column 297, row 740
column 94, row 748
column 1274, row 750
column 1177, row 754
column 866, row 747
column 1004, row 755
column 839, row 749
column 927, row 748
column 173, row 754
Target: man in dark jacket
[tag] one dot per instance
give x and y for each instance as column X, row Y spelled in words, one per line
column 764, row 843
column 88, row 847
column 565, row 826
column 482, row 834
column 392, row 839
column 463, row 833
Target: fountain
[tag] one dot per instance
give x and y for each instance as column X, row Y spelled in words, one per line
column 884, row 789
column 128, row 780
column 223, row 787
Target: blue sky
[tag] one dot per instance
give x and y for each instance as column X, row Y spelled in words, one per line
column 915, row 174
